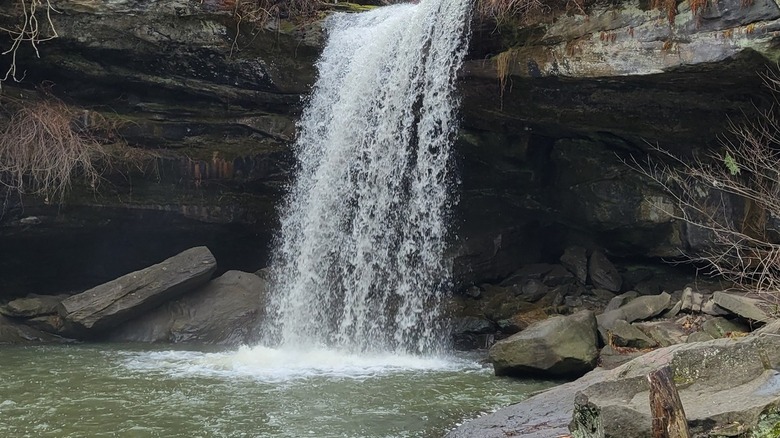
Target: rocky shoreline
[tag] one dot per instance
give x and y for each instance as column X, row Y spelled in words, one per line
column 721, row 346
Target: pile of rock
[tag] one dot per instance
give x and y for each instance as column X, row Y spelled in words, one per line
column 566, row 319
column 722, row 347
column 173, row 301
column 532, row 293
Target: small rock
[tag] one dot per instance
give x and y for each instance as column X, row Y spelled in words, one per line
column 721, row 327
column 575, row 259
column 605, row 295
column 574, row 290
column 603, row 273
column 48, row 323
column 712, row 309
column 510, row 326
column 699, row 337
column 472, row 291
column 674, row 311
column 536, row 271
column 15, row 333
column 610, row 358
column 620, row 300
column 771, row 328
column 666, row 333
column 533, row 290
column 557, row 276
column 472, row 324
column 265, row 273
column 572, row 302
column 623, row 334
column 499, row 302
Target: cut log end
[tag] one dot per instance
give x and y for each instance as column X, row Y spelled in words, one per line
column 665, row 406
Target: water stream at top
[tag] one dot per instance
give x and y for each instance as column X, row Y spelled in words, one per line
column 360, row 263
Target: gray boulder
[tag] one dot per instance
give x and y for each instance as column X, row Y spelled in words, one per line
column 748, row 308
column 605, row 295
column 532, row 290
column 620, row 300
column 558, row 346
column 473, row 325
column 558, row 276
column 575, row 259
column 14, row 333
column 32, row 306
column 666, row 333
column 639, row 308
column 48, row 323
column 722, row 383
column 225, row 311
column 120, row 300
column 603, row 273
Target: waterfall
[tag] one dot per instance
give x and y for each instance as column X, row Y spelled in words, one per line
column 360, row 261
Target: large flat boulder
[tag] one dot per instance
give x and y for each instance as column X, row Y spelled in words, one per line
column 120, row 300
column 724, row 384
column 558, row 346
column 746, row 307
column 224, row 311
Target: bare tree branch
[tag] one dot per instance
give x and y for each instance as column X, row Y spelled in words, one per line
column 733, row 195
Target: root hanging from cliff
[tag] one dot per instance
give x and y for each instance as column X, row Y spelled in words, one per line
column 46, row 144
column 35, row 28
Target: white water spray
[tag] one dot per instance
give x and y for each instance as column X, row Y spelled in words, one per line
column 360, row 260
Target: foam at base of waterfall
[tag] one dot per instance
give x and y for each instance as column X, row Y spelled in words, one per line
column 281, row 365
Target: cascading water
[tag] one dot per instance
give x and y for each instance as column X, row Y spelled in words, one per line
column 360, row 261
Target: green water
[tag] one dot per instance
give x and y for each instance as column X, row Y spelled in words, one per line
column 138, row 391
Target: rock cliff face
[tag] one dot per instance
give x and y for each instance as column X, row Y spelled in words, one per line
column 213, row 103
column 554, row 108
column 539, row 157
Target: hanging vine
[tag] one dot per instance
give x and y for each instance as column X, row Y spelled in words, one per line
column 35, row 27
